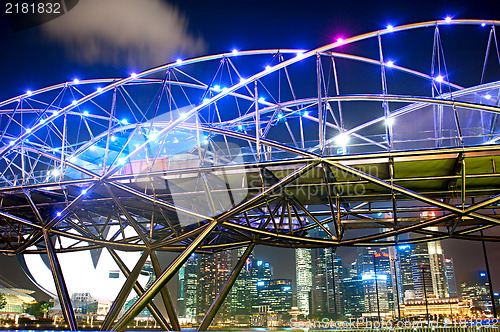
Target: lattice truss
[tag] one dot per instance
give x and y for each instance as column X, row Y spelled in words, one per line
column 341, row 145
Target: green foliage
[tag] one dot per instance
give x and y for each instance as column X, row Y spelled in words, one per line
column 3, row 301
column 38, row 309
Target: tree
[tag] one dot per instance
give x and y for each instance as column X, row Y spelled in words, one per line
column 38, row 309
column 3, row 301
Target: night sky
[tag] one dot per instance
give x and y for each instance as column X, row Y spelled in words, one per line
column 142, row 34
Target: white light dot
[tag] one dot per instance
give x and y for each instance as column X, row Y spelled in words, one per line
column 448, row 19
column 124, row 121
column 390, row 27
column 56, row 172
column 240, row 127
column 29, row 93
column 72, row 159
column 389, row 63
column 261, row 99
column 153, row 136
column 280, row 115
column 73, row 102
column 113, row 138
column 84, row 191
column 306, row 113
column 483, row 24
column 205, row 101
column 99, row 89
column 183, row 115
column 59, row 213
column 28, row 130
column 342, row 140
column 179, row 61
column 133, row 75
column 217, row 88
column 487, row 96
column 11, row 143
column 299, row 54
column 76, row 81
column 235, row 51
column 42, row 121
column 92, row 148
column 243, row 80
column 389, row 121
column 340, row 40
column 439, row 78
column 224, row 89
column 268, row 67
column 85, row 113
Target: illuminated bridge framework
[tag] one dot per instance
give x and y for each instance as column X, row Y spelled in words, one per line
column 337, row 146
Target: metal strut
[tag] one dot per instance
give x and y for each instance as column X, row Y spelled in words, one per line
column 162, row 280
column 62, row 290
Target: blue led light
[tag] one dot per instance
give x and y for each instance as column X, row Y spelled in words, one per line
column 59, row 213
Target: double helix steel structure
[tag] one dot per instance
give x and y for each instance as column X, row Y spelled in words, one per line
column 385, row 138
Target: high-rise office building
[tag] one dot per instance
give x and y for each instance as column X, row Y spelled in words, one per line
column 421, row 271
column 436, row 260
column 213, row 272
column 405, row 274
column 260, row 272
column 328, row 273
column 353, row 302
column 303, row 278
column 374, row 269
column 240, row 292
column 276, row 295
column 186, row 289
column 451, row 282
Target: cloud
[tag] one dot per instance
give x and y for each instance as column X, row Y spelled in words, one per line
column 136, row 33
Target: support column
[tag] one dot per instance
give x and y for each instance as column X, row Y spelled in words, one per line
column 124, row 293
column 162, row 280
column 139, row 290
column 165, row 295
column 62, row 290
column 209, row 316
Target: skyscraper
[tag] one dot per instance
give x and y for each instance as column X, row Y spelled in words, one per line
column 260, row 274
column 240, row 293
column 374, row 270
column 436, row 260
column 405, row 276
column 421, row 271
column 451, row 282
column 213, row 272
column 186, row 289
column 303, row 278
